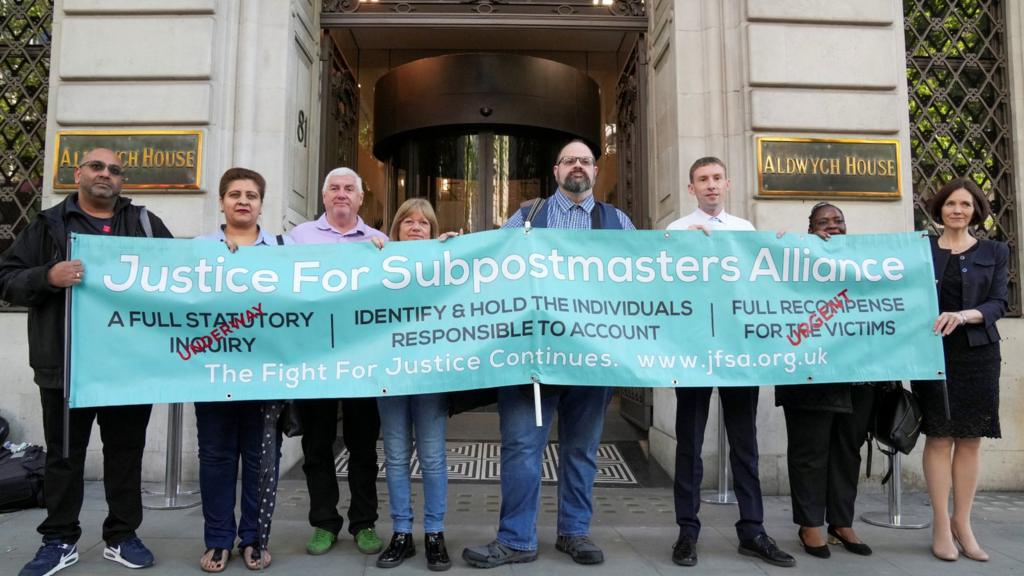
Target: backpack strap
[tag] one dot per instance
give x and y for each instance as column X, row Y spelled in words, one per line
column 537, row 217
column 604, row 216
column 871, row 451
column 147, row 226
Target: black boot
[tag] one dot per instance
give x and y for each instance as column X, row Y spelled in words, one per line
column 437, row 554
column 400, row 548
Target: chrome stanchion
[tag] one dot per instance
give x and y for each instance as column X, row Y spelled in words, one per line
column 724, row 493
column 173, row 497
column 894, row 516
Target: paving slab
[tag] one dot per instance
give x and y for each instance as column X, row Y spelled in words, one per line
column 635, row 527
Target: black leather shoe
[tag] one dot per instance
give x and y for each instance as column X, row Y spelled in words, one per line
column 437, row 554
column 855, row 547
column 400, row 548
column 684, row 551
column 816, row 551
column 763, row 547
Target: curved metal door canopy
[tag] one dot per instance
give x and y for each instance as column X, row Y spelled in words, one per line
column 482, row 90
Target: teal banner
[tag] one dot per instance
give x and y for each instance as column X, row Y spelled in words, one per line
column 185, row 320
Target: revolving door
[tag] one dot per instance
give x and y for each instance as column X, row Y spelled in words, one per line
column 474, row 179
column 477, row 134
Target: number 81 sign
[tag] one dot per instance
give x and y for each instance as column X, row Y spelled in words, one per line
column 302, row 130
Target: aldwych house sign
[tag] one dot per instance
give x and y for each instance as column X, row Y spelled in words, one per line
column 816, row 167
column 153, row 159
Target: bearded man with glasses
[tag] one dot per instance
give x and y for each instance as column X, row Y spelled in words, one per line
column 580, row 408
column 35, row 272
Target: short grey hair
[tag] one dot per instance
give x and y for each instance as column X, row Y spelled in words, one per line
column 343, row 172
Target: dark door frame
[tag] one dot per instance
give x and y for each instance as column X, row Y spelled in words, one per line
column 631, row 98
column 624, row 15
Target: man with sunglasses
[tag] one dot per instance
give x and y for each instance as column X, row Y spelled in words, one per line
column 35, row 272
column 580, row 408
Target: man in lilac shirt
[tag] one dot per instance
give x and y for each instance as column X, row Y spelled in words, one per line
column 343, row 196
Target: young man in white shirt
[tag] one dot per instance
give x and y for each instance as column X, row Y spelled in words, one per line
column 710, row 185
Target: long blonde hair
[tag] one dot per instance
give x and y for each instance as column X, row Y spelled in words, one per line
column 408, row 207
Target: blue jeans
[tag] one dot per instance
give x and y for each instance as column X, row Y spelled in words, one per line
column 580, row 422
column 427, row 414
column 227, row 431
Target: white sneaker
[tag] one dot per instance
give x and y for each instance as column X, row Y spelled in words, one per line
column 52, row 557
column 131, row 553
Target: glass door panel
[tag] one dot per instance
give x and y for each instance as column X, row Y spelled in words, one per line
column 474, row 179
column 444, row 170
column 517, row 174
column 454, row 186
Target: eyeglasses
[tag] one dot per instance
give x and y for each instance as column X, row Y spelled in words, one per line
column 572, row 160
column 99, row 165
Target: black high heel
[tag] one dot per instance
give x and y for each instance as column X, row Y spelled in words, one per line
column 858, row 548
column 816, row 551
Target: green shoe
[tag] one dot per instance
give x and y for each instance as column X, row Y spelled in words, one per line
column 368, row 542
column 321, row 542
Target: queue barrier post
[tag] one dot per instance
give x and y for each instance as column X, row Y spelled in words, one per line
column 894, row 516
column 723, row 494
column 174, row 496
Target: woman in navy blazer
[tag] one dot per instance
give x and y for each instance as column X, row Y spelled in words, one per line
column 971, row 279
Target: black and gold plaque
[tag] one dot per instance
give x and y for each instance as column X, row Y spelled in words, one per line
column 153, row 160
column 818, row 167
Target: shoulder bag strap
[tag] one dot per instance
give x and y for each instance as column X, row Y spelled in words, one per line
column 147, row 226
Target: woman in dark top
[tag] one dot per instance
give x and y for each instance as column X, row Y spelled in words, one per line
column 971, row 277
column 826, row 425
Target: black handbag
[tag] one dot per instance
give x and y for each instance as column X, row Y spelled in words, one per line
column 290, row 422
column 897, row 418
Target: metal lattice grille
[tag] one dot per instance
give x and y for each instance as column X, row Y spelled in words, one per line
column 959, row 110
column 24, row 80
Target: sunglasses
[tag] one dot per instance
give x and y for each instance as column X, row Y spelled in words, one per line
column 99, row 165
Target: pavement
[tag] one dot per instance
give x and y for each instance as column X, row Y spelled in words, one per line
column 634, row 526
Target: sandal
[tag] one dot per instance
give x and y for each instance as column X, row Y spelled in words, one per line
column 215, row 560
column 253, row 562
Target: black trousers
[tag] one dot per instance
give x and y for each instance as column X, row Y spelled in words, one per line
column 361, row 428
column 824, row 460
column 740, row 414
column 123, row 431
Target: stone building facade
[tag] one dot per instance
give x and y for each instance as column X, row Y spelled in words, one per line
column 717, row 74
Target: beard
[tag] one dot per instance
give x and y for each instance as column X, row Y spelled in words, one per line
column 102, row 192
column 576, row 185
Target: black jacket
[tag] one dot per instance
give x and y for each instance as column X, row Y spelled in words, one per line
column 985, row 275
column 24, row 267
column 823, row 397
